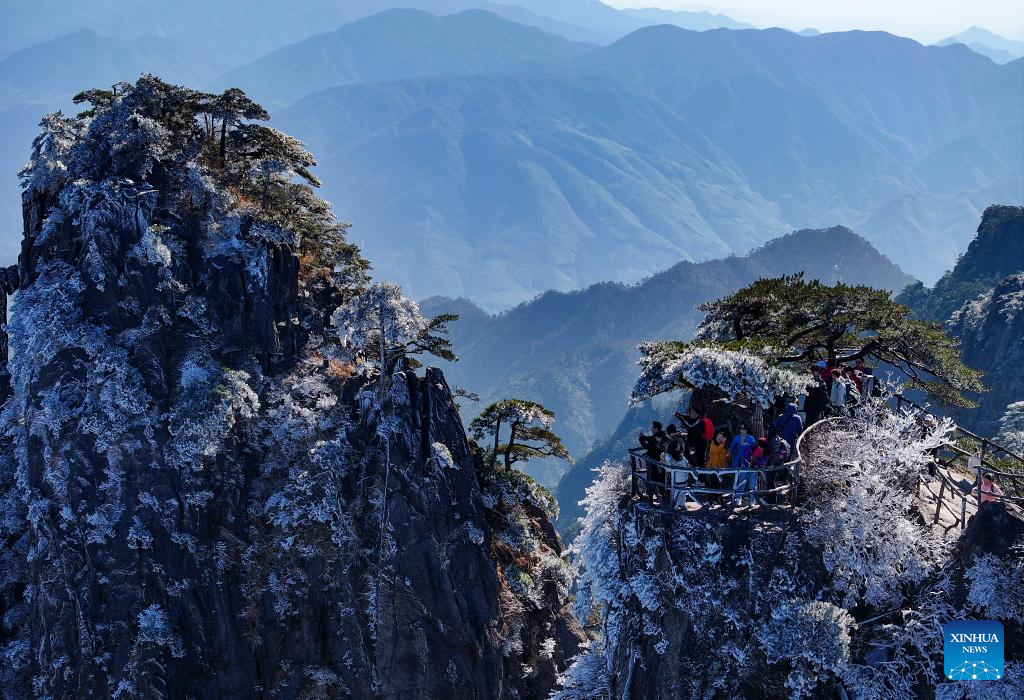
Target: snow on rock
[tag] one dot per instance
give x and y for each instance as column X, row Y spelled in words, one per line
column 190, row 502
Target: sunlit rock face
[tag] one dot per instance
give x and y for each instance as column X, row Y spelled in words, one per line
column 195, row 501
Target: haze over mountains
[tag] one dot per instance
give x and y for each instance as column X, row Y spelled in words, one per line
column 999, row 49
column 393, row 45
column 482, row 157
column 669, row 145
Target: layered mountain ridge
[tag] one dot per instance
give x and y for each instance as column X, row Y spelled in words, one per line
column 667, row 145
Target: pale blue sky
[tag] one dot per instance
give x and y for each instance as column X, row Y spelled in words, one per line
column 925, row 20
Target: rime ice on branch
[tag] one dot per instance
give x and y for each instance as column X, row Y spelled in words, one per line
column 667, row 366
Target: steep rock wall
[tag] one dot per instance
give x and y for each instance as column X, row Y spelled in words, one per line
column 197, row 500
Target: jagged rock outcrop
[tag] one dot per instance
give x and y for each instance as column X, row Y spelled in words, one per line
column 199, row 496
column 991, row 332
column 980, row 301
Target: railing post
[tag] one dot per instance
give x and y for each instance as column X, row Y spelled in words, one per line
column 938, row 504
column 980, row 471
column 963, row 512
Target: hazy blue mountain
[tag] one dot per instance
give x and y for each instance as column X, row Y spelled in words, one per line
column 998, row 48
column 668, row 145
column 237, row 30
column 594, row 14
column 697, row 21
column 59, row 47
column 498, row 187
column 52, row 71
column 397, row 44
column 576, row 352
column 614, row 23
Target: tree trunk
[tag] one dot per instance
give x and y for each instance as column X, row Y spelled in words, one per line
column 497, row 433
column 223, row 140
column 724, row 414
column 511, row 443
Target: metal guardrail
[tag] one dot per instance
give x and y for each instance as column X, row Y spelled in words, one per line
column 684, row 484
column 952, row 459
column 778, row 486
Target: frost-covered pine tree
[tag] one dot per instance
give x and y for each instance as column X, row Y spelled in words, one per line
column 529, row 432
column 384, row 325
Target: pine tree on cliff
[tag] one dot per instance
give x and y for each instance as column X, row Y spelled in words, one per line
column 790, row 322
column 529, row 432
column 384, row 325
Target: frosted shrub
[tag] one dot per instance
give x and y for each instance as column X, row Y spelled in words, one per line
column 813, row 637
column 997, row 588
column 155, row 628
column 586, row 678
column 1011, row 428
column 859, row 496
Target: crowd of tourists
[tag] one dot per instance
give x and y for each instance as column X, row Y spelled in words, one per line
column 836, row 389
column 697, row 443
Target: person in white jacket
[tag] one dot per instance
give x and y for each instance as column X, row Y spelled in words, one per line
column 837, row 397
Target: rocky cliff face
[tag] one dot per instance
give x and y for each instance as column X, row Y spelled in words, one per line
column 991, row 332
column 980, row 300
column 197, row 497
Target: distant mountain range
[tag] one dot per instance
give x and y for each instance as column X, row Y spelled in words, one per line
column 576, row 352
column 998, row 48
column 51, row 49
column 667, row 145
column 495, row 157
column 243, row 30
column 394, row 45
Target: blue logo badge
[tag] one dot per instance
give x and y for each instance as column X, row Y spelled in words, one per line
column 973, row 650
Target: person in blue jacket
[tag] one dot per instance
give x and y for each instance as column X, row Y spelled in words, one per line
column 789, row 425
column 740, row 450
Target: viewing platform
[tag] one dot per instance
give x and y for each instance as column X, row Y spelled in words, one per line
column 711, row 491
column 948, row 490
